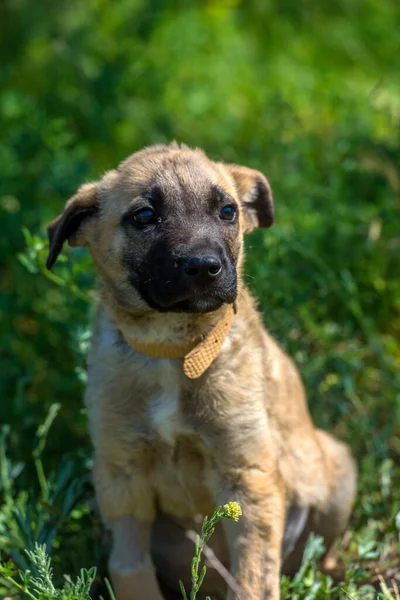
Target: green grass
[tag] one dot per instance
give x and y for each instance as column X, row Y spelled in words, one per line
column 306, row 92
column 34, row 526
column 50, row 516
column 41, row 585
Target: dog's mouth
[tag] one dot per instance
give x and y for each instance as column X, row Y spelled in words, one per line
column 161, row 299
column 197, row 306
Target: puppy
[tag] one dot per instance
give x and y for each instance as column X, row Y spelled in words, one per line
column 191, row 402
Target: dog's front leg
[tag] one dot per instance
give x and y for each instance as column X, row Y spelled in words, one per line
column 255, row 542
column 127, row 505
column 130, row 565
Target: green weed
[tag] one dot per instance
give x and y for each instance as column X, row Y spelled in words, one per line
column 308, row 93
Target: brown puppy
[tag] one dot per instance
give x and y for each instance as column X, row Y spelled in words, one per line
column 176, row 436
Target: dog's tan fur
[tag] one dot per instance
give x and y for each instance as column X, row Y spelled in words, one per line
column 168, row 448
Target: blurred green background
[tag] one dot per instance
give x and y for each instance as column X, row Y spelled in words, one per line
column 307, row 92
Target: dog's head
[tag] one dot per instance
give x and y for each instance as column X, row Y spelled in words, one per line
column 166, row 228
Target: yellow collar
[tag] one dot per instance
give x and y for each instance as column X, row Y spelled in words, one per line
column 198, row 354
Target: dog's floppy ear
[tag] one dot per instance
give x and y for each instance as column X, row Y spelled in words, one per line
column 255, row 195
column 68, row 225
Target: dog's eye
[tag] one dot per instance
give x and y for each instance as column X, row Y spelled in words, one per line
column 145, row 216
column 228, row 213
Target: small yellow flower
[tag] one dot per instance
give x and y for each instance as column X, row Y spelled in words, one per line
column 232, row 511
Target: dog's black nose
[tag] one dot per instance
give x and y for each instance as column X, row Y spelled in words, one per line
column 202, row 268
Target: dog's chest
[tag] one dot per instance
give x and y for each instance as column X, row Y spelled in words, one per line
column 177, row 474
column 164, row 407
